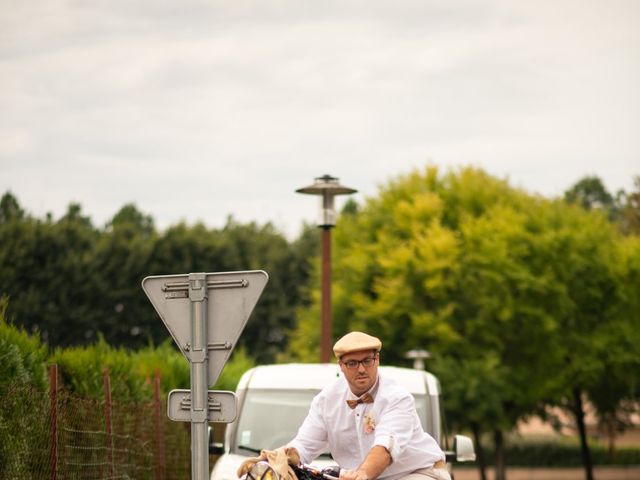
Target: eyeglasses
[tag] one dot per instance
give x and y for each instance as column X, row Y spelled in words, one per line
column 366, row 362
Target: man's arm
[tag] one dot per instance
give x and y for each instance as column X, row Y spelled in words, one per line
column 311, row 439
column 376, row 461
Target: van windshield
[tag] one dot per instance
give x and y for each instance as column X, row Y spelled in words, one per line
column 270, row 418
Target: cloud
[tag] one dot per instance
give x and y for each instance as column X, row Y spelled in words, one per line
column 198, row 109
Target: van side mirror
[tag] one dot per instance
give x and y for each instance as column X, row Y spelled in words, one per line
column 463, row 449
column 215, row 448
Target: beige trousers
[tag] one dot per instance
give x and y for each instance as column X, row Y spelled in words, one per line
column 431, row 472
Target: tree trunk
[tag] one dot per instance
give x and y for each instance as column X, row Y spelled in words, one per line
column 611, row 435
column 584, row 445
column 498, row 441
column 482, row 466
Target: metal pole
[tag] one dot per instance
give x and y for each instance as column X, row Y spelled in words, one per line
column 325, row 341
column 53, row 397
column 106, row 380
column 159, row 451
column 199, row 368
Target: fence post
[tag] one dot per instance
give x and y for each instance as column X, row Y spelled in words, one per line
column 160, row 459
column 53, row 443
column 107, row 418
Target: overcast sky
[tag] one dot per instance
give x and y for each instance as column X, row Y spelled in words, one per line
column 195, row 110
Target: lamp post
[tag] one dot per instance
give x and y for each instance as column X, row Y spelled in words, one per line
column 418, row 356
column 327, row 187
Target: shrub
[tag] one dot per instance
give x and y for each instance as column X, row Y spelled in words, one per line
column 239, row 363
column 24, row 410
column 563, row 453
column 166, row 360
column 22, row 356
column 81, row 369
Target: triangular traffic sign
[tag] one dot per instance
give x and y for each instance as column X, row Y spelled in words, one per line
column 232, row 297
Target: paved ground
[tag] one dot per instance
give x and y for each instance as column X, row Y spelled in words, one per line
column 599, row 473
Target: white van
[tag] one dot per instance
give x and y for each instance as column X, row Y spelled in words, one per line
column 273, row 400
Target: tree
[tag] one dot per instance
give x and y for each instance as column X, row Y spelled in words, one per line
column 486, row 277
column 43, row 268
column 242, row 247
column 590, row 193
column 118, row 262
column 253, row 247
column 73, row 282
column 614, row 393
column 130, row 219
column 630, row 209
column 10, row 208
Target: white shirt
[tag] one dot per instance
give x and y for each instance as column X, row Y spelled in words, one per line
column 390, row 421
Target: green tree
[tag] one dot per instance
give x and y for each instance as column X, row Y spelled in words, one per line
column 118, row 262
column 72, row 282
column 486, row 277
column 630, row 209
column 242, row 247
column 441, row 262
column 10, row 208
column 43, row 269
column 252, row 247
column 590, row 193
column 610, row 380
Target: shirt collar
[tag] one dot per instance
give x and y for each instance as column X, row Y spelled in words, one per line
column 372, row 391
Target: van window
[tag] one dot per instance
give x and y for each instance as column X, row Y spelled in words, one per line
column 270, row 418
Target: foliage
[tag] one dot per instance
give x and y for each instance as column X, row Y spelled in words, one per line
column 166, row 361
column 239, row 363
column 624, row 208
column 24, row 432
column 22, row 422
column 617, row 347
column 629, row 217
column 520, row 299
column 604, row 290
column 10, row 208
column 590, row 193
column 23, row 360
column 82, row 370
column 132, row 373
column 557, row 454
column 22, row 356
column 74, row 283
column 25, row 418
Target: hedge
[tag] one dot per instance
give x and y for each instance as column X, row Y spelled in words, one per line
column 561, row 454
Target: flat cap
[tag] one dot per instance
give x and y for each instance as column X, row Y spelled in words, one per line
column 354, row 342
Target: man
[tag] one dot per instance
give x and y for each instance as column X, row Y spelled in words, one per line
column 368, row 422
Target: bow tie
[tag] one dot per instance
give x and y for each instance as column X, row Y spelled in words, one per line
column 366, row 398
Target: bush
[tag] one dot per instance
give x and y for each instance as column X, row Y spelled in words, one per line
column 22, row 356
column 24, row 404
column 166, row 360
column 24, row 413
column 562, row 454
column 239, row 363
column 132, row 372
column 82, row 372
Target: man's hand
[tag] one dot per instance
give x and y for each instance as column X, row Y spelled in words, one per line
column 374, row 464
column 353, row 475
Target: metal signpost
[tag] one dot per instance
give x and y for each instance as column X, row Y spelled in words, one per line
column 205, row 314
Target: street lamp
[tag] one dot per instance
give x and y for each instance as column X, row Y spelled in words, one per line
column 327, row 187
column 418, row 356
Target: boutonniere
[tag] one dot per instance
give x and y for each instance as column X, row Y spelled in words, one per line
column 369, row 424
